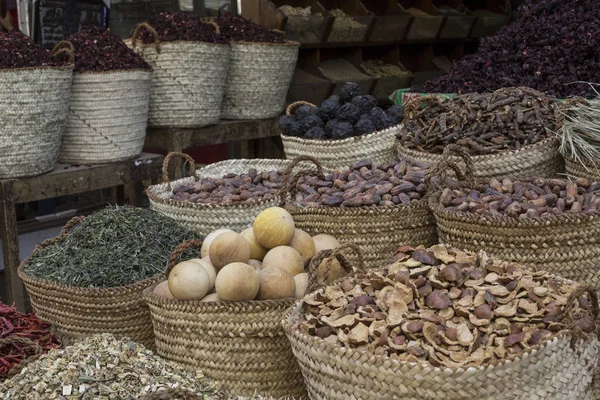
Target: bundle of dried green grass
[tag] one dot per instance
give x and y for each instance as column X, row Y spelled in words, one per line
column 580, row 132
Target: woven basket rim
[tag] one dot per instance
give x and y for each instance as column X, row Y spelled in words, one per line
column 116, row 71
column 507, row 221
column 483, row 157
column 287, row 43
column 41, row 68
column 197, row 42
column 593, row 164
column 362, row 210
column 343, row 142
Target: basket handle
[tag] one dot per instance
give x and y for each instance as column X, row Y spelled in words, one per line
column 64, row 232
column 136, row 34
column 25, row 343
column 188, row 160
column 288, row 176
column 291, row 107
column 279, row 32
column 567, row 313
column 314, row 282
column 69, row 50
column 466, row 179
column 169, row 394
column 214, row 24
column 188, row 244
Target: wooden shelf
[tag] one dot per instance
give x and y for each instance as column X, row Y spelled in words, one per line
column 383, row 44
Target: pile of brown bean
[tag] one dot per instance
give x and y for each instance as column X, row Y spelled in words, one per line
column 527, row 198
column 245, row 188
column 366, row 183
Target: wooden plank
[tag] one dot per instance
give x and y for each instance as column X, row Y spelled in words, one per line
column 66, row 180
column 10, row 251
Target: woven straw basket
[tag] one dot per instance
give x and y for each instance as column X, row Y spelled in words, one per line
column 188, row 81
column 240, row 345
column 582, row 170
column 258, row 80
column 33, row 108
column 559, row 369
column 376, row 146
column 377, row 231
column 205, row 218
column 81, row 312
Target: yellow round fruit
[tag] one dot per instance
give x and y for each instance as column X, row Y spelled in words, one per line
column 237, row 282
column 213, row 297
column 275, row 283
column 304, row 245
column 204, row 250
column 257, row 251
column 162, row 290
column 301, row 284
column 210, row 270
column 286, row 258
column 189, row 281
column 274, row 227
column 325, row 242
column 257, row 265
column 227, row 248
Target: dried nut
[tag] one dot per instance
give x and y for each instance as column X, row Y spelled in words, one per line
column 484, row 311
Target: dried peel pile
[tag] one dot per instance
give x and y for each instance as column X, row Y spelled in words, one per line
column 103, row 367
column 447, row 308
column 528, row 198
column 366, row 183
column 507, row 119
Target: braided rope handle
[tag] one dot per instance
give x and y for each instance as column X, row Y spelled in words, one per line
column 289, row 110
column 287, row 175
column 188, row 244
column 571, row 320
column 188, row 160
column 214, row 24
column 64, row 232
column 442, row 169
column 136, row 34
column 28, row 344
column 279, row 32
column 315, row 281
column 169, row 394
column 69, row 50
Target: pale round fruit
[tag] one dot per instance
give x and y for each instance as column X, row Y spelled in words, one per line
column 189, row 281
column 227, row 248
column 213, row 297
column 204, row 250
column 210, row 270
column 162, row 290
column 286, row 258
column 331, row 264
column 237, row 282
column 275, row 283
column 257, row 265
column 304, row 245
column 274, row 227
column 325, row 242
column 257, row 251
column 301, row 284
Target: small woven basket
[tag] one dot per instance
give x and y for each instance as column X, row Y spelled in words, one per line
column 376, row 230
column 188, row 81
column 558, row 369
column 34, row 103
column 377, row 146
column 259, row 78
column 81, row 312
column 240, row 345
column 206, row 218
column 578, row 169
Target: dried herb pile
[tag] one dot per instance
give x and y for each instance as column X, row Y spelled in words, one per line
column 447, row 308
column 239, row 29
column 553, row 44
column 507, row 119
column 96, row 49
column 180, row 26
column 113, row 247
column 528, row 198
column 15, row 326
column 103, row 367
column 17, row 50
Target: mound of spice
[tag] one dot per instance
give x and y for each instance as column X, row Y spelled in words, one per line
column 113, row 247
column 239, row 29
column 380, row 69
column 16, row 330
column 528, row 198
column 482, row 123
column 103, row 367
column 96, row 49
column 448, row 308
column 180, row 26
column 345, row 28
column 366, row 183
column 17, row 50
column 553, row 47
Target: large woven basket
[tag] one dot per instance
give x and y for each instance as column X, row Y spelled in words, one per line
column 33, row 108
column 259, row 78
column 205, row 218
column 377, row 146
column 376, row 230
column 559, row 369
column 81, row 312
column 107, row 117
column 240, row 345
column 188, row 81
column 578, row 169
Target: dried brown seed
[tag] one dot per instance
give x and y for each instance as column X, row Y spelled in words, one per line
column 438, row 300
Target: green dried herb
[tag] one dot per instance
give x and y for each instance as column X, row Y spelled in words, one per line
column 114, row 247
